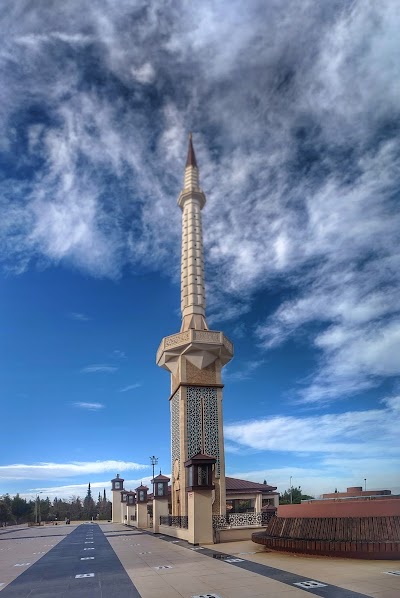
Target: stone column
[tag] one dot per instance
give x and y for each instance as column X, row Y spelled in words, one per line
column 141, row 515
column 200, row 517
column 160, row 509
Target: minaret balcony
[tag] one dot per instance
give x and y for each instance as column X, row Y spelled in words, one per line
column 191, row 194
column 201, row 346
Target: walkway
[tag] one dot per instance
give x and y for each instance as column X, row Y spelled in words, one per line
column 109, row 561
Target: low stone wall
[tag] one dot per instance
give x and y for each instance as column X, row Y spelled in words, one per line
column 351, row 537
column 236, row 534
column 180, row 533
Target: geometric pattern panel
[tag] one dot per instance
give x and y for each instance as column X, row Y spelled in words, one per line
column 211, row 437
column 175, row 431
column 238, row 519
column 194, row 421
column 202, row 423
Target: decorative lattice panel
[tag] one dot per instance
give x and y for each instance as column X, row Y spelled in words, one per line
column 175, row 430
column 202, row 423
column 238, row 519
column 194, row 421
column 211, row 437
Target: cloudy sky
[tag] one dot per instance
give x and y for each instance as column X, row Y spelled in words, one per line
column 294, row 108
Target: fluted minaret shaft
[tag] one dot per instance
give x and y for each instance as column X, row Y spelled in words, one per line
column 191, row 201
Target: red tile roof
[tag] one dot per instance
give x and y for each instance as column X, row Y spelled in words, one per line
column 236, row 485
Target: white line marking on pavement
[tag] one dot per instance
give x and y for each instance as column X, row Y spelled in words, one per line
column 21, row 564
column 89, row 542
column 87, row 558
column 233, row 560
column 163, row 567
column 89, row 549
column 84, row 575
column 309, row 585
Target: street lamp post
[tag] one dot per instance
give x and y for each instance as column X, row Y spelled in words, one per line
column 291, row 494
column 153, row 461
column 38, row 515
column 365, row 484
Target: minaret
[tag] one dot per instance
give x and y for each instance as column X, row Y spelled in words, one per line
column 195, row 357
column 193, row 295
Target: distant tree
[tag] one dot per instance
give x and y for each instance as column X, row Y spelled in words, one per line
column 5, row 510
column 297, row 496
column 76, row 508
column 20, row 509
column 265, row 482
column 89, row 507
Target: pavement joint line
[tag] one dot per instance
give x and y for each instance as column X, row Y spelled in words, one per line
column 280, row 575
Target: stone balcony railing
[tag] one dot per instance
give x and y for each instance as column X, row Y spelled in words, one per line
column 209, row 337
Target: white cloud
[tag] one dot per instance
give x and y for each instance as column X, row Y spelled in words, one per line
column 99, row 367
column 144, row 74
column 368, row 433
column 66, row 491
column 54, row 471
column 244, row 372
column 130, row 387
column 295, row 130
column 90, row 406
column 79, row 316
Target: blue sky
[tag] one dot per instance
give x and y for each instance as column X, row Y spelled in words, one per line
column 295, row 120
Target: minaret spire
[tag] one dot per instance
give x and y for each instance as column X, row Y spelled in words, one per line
column 191, row 200
column 191, row 156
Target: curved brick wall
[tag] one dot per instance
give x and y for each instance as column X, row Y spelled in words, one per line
column 353, row 537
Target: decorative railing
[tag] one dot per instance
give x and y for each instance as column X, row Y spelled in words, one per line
column 174, row 521
column 241, row 519
column 219, row 521
column 192, row 336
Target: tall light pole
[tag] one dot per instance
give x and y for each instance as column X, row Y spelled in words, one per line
column 38, row 516
column 291, row 494
column 365, row 484
column 153, row 461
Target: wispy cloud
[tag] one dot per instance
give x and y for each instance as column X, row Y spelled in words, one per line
column 245, row 371
column 90, row 406
column 130, row 387
column 79, row 317
column 53, row 471
column 368, row 433
column 68, row 490
column 296, row 131
column 118, row 354
column 99, row 368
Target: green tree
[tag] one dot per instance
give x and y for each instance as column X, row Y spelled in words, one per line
column 293, row 496
column 89, row 507
column 20, row 509
column 5, row 510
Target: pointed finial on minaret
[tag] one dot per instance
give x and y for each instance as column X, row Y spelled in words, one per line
column 191, row 156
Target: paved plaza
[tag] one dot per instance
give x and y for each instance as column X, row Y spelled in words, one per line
column 111, row 560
